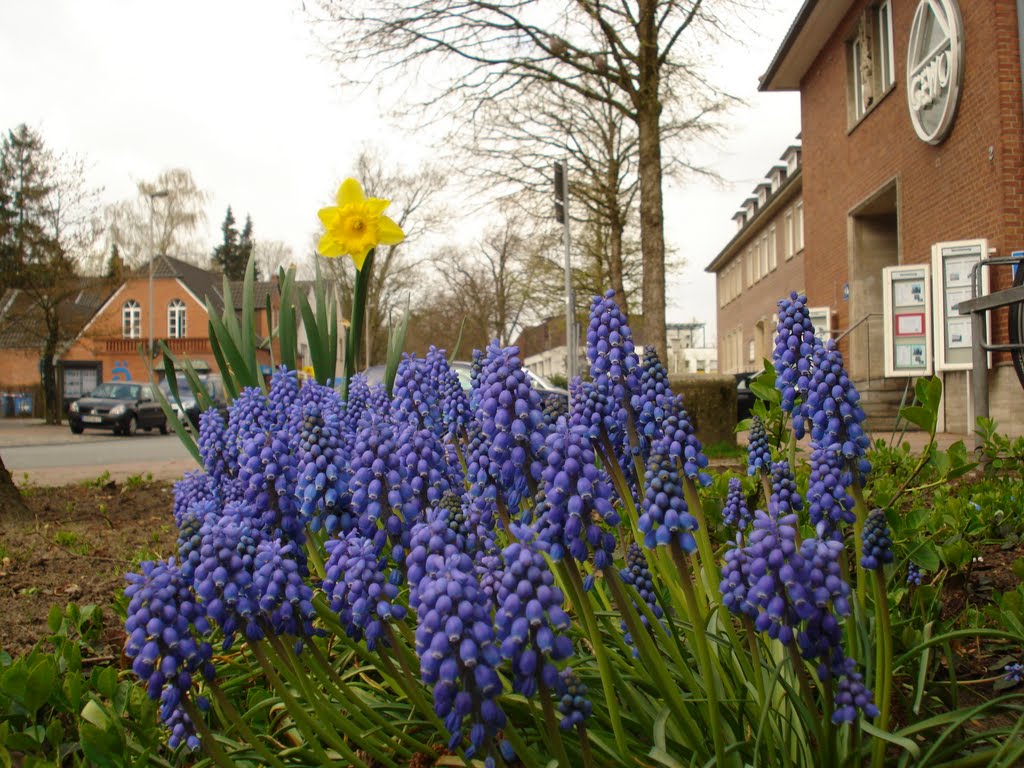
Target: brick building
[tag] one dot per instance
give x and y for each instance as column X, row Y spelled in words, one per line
column 911, row 118
column 763, row 262
column 112, row 326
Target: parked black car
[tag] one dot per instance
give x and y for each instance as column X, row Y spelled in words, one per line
column 121, row 406
column 744, row 397
column 189, row 410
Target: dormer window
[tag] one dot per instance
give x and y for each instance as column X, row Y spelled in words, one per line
column 176, row 319
column 763, row 190
column 131, row 320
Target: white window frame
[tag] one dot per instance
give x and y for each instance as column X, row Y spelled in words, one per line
column 885, row 44
column 857, row 95
column 798, row 226
column 773, row 261
column 787, row 235
column 131, row 320
column 176, row 319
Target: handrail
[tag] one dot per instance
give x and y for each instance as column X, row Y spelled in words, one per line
column 854, row 327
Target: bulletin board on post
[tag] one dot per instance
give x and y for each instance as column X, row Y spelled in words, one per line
column 907, row 319
column 821, row 319
column 952, row 263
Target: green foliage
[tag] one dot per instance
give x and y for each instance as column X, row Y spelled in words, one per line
column 135, row 482
column 62, row 704
column 102, row 480
column 998, row 452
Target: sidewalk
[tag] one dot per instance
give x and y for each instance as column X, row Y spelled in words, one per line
column 20, row 432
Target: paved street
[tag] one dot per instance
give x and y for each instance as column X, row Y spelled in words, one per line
column 51, row 455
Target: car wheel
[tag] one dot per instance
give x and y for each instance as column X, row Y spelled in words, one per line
column 76, row 430
column 131, row 427
column 163, row 427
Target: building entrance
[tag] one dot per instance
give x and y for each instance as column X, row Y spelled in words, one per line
column 873, row 245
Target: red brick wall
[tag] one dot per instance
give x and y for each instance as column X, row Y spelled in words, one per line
column 19, row 369
column 948, row 192
column 102, row 339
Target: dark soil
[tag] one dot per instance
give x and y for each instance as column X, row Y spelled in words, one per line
column 74, row 545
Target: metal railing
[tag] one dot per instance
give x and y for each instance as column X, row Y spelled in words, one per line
column 863, row 327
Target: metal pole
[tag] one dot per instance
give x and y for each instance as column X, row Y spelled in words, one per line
column 979, row 373
column 150, row 309
column 570, row 303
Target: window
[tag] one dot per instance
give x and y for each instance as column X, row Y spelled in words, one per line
column 870, row 60
column 787, row 235
column 131, row 320
column 772, row 258
column 176, row 319
column 750, row 267
column 798, row 227
column 763, row 255
column 888, row 75
column 755, row 258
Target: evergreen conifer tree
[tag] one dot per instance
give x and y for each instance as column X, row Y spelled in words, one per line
column 226, row 255
column 246, row 244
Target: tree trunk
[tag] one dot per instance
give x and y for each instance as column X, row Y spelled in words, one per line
column 51, row 408
column 10, row 498
column 652, row 219
column 615, row 268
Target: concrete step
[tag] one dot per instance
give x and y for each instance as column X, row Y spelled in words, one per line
column 881, row 403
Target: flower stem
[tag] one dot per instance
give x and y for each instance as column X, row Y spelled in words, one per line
column 551, row 726
column 883, row 663
column 708, row 672
column 238, row 721
column 303, row 722
column 355, row 332
column 860, row 511
column 805, row 683
column 206, row 738
column 608, row 678
column 588, row 755
column 755, row 657
column 369, row 715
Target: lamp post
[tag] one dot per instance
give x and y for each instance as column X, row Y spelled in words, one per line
column 152, row 257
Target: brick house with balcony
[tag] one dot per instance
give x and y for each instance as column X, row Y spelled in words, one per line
column 911, row 129
column 114, row 341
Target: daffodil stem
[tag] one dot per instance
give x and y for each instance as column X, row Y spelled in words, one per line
column 355, row 332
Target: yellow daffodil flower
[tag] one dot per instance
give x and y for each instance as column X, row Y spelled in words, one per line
column 356, row 225
column 308, row 372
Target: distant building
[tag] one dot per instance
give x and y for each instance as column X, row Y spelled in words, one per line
column 109, row 328
column 761, row 263
column 543, row 350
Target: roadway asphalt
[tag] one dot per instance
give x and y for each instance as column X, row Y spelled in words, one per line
column 43, row 454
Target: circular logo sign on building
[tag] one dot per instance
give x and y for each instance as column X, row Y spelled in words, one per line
column 935, row 61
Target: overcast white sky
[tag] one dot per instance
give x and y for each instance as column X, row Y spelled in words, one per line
column 234, row 91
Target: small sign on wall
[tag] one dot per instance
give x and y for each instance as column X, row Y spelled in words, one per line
column 906, row 318
column 953, row 264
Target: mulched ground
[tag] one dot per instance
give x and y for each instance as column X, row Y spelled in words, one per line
column 75, row 546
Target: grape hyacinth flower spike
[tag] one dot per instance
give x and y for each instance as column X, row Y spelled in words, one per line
column 735, row 513
column 165, row 625
column 759, row 454
column 877, row 541
column 795, row 343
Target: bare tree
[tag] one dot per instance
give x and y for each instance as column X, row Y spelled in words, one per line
column 647, row 52
column 271, row 254
column 502, row 278
column 176, row 220
column 396, row 271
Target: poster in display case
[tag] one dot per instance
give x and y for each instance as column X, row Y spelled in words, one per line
column 907, row 320
column 953, row 264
